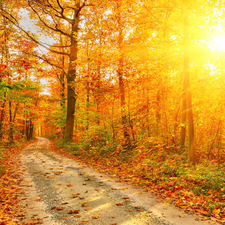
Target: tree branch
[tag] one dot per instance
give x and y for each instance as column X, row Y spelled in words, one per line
column 45, row 60
column 45, row 24
column 14, row 21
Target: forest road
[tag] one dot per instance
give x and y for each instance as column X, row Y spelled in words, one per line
column 58, row 190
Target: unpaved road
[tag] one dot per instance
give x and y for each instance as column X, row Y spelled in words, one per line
column 54, row 185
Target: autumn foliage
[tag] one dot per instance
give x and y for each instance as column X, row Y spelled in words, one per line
column 132, row 82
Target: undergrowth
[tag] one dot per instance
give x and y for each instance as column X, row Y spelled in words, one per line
column 2, row 149
column 165, row 172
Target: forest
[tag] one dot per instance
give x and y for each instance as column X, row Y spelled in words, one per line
column 134, row 88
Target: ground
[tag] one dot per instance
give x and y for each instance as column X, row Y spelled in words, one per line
column 53, row 189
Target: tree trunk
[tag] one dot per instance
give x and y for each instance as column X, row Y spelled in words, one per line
column 10, row 123
column 183, row 120
column 88, row 87
column 62, row 87
column 71, row 76
column 2, row 114
column 191, row 147
column 121, row 79
column 157, row 114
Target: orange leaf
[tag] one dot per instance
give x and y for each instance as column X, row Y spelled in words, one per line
column 95, row 217
column 181, row 216
column 119, row 204
column 84, row 205
column 73, row 212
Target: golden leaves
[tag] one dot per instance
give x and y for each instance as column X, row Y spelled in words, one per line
column 74, row 211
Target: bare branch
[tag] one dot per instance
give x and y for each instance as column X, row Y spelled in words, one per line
column 45, row 60
column 62, row 9
column 14, row 21
column 80, row 8
column 45, row 24
column 158, row 20
column 60, row 46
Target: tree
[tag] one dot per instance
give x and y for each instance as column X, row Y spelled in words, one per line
column 58, row 18
column 187, row 97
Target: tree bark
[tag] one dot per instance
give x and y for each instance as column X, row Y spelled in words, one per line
column 191, row 147
column 71, row 94
column 183, row 120
column 121, row 78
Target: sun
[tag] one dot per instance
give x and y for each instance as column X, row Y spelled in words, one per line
column 217, row 44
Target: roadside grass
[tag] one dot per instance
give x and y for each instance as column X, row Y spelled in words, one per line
column 196, row 189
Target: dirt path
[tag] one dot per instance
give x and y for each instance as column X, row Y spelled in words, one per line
column 57, row 190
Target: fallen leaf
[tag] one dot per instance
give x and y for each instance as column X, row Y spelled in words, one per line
column 125, row 198
column 181, row 216
column 84, row 205
column 83, row 222
column 78, row 216
column 69, row 185
column 113, row 189
column 60, row 208
column 87, row 209
column 171, row 183
column 119, row 204
column 95, row 217
column 65, row 218
column 75, row 196
column 73, row 212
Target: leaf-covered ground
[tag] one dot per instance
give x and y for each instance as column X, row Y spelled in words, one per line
column 10, row 212
column 196, row 189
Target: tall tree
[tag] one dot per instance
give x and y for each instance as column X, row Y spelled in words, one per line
column 63, row 18
column 187, row 97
